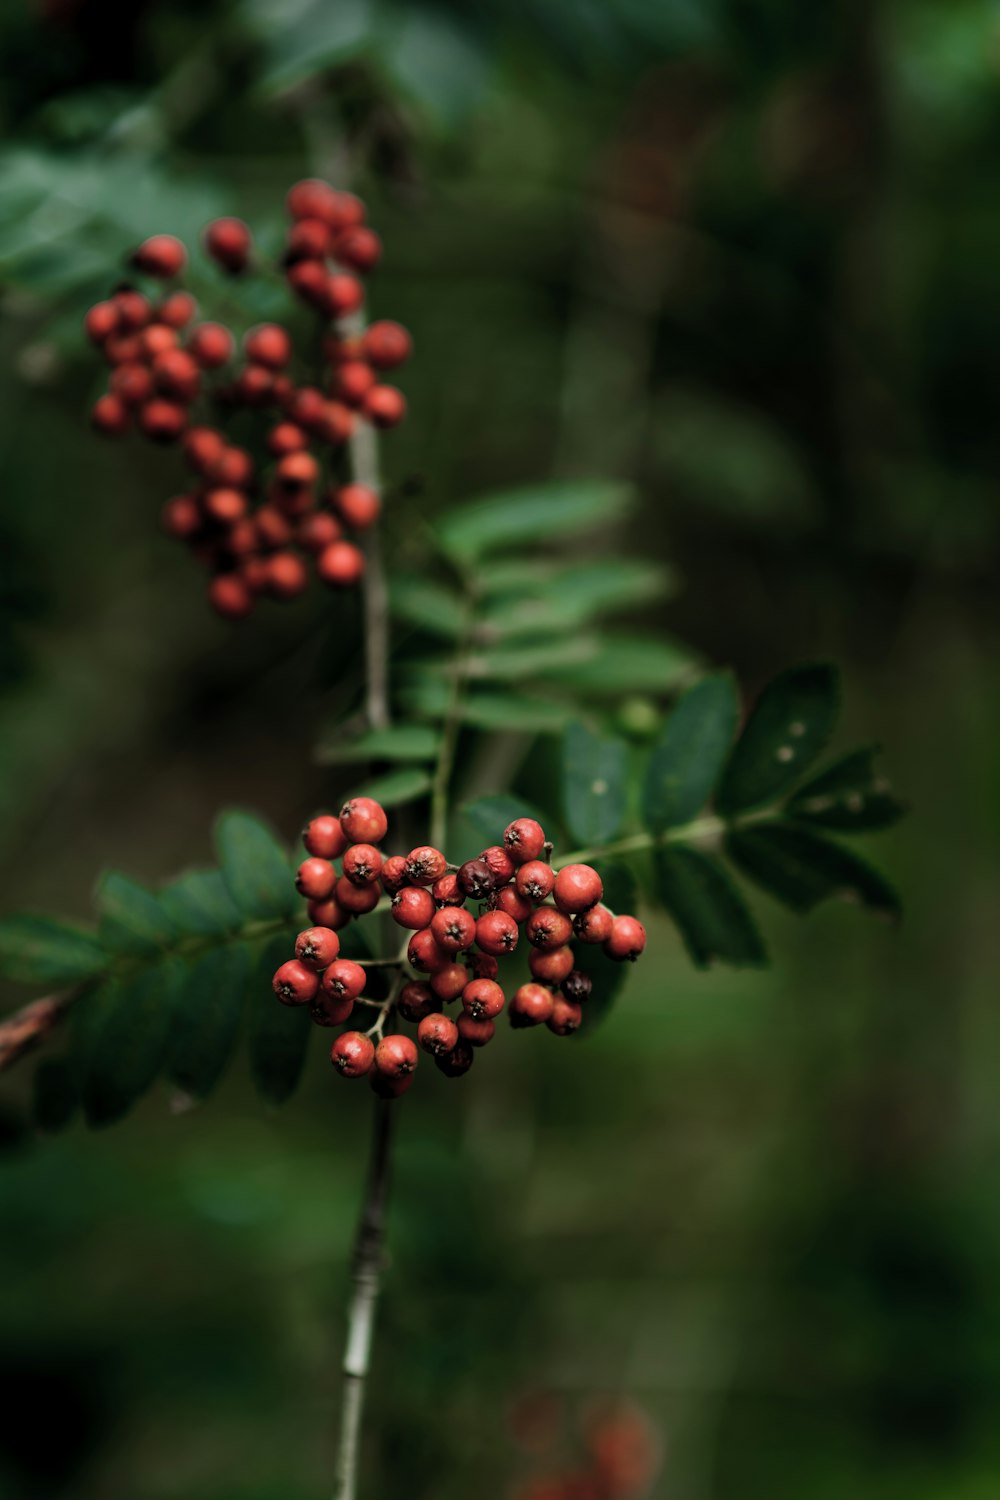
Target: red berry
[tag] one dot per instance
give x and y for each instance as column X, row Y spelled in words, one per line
column 241, row 541
column 297, row 469
column 508, row 900
column 313, row 199
column 161, row 255
column 566, row 1016
column 384, row 406
column 352, row 381
column 499, row 862
column 548, row 928
column 315, row 879
column 359, row 247
column 268, row 344
column 577, row 985
column 294, row 984
column 344, row 294
column 627, row 940
column 524, row 839
column 273, row 529
column 362, row 864
column 594, row 926
column 483, row 965
column 328, row 913
column 123, row 349
column 386, row 344
column 309, row 279
column 447, row 891
column 316, row 947
column 425, row 864
column 203, row 447
column 254, row 386
column 134, row 310
column 454, row 928
column 352, row 1054
column 424, row 953
column 535, row 880
column 101, row 321
column 334, row 423
column 228, row 242
column 308, row 239
column 133, row 383
column 550, row 966
column 475, row 878
column 449, row 982
column 177, row 310
column 211, row 344
column 396, row 1055
column 358, row 505
column 454, row 1064
column 577, row 888
column 437, row 1034
column 531, row 1005
column 162, row 421
column 364, row 821
column 317, row 531
column 387, row 1087
column 476, row 1033
column 483, row 999
column 286, row 575
column 224, row 505
column 175, row 373
column 229, row 596
column 234, row 466
column 344, row 979
column 330, row 1010
column 356, row 898
column 157, row 339
column 286, row 437
column 416, row 1000
column 341, row 564
column 393, row 874
column 324, row 837
column 181, row 517
column 496, row 933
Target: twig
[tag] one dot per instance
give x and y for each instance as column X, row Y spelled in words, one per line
column 367, row 1269
column 29, row 1025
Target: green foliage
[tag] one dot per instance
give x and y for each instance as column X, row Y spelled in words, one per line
column 396, row 787
column 709, row 911
column 688, row 755
column 40, row 950
column 801, row 868
column 789, row 726
column 133, row 1023
column 132, row 919
column 480, row 528
column 595, row 784
column 279, row 1034
column 254, row 865
column 490, row 815
column 207, row 1019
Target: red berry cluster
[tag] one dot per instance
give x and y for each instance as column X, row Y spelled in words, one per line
column 463, row 919
column 255, row 521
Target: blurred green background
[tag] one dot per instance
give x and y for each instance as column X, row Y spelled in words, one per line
column 744, row 252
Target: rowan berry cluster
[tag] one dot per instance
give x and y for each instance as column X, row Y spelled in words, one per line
column 464, row 919
column 255, row 517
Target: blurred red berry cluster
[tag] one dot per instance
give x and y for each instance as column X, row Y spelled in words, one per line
column 255, row 518
column 620, row 1458
column 464, row 918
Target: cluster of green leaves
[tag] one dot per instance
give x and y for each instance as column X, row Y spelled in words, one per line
column 166, row 981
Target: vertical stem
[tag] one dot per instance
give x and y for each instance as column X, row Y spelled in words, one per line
column 363, row 455
column 366, row 1273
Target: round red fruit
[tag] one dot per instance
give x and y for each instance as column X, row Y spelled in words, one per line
column 416, row 1000
column 548, row 928
column 162, row 421
column 531, row 1005
column 233, row 466
column 524, row 839
column 362, row 864
column 423, row 952
column 228, row 242
column 317, row 531
column 566, row 1016
column 396, row 1055
column 356, row 899
column 594, row 925
column 627, row 940
column 386, row 344
column 508, row 900
column 384, row 406
column 160, row 255
column 352, row 1054
column 224, row 506
column 324, row 837
column 101, row 321
column 476, row 879
column 358, row 505
column 203, row 447
column 476, row 1033
column 535, row 880
column 359, row 247
column 437, row 1034
column 550, row 966
column 344, row 979
column 329, row 1010
column 454, row 1064
column 317, row 947
column 364, row 821
column 230, row 597
column 315, row 879
column 352, row 381
column 393, row 874
column 294, row 984
column 454, row 928
column 341, row 564
column 425, row 864
column 447, row 891
column 496, row 933
column 181, row 517
column 449, row 982
column 211, row 344
column 328, row 913
column 109, row 415
column 577, row 888
column 483, row 999
column 177, row 310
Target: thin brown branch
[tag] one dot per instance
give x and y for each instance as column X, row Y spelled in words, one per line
column 28, row 1026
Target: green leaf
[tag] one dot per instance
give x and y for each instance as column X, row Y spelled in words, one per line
column 608, row 976
column 40, row 950
column 573, row 597
column 254, row 866
column 530, row 515
column 790, row 724
column 280, row 1033
column 517, row 664
column 56, row 1095
column 133, row 920
column 801, row 868
column 208, row 1018
column 428, row 606
column 430, row 697
column 130, row 1042
column 490, row 815
column 689, row 753
column 713, row 919
column 398, row 742
column 396, row 787
column 595, row 782
column 199, row 905
column 629, row 664
column 849, row 796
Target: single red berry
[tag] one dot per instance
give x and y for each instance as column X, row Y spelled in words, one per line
column 286, row 437
column 384, row 406
column 393, row 874
column 524, row 839
column 315, row 879
column 121, row 349
column 437, row 1034
column 273, row 528
column 577, row 888
column 229, row 596
column 483, row 965
column 134, row 310
column 358, row 505
column 157, row 339
column 360, row 248
column 627, row 940
column 233, row 466
column 330, row 1010
column 297, row 469
column 454, row 1064
column 160, row 255
column 476, row 1032
column 223, row 505
column 386, row 344
column 241, row 541
column 294, row 984
column 352, row 381
column 364, row 821
column 344, row 294
column 356, row 898
column 344, row 979
column 423, row 952
column 177, row 310
column 341, row 564
column 548, row 928
column 181, row 517
column 352, row 1054
column 447, row 891
column 268, row 344
column 496, row 933
column 101, row 321
column 286, row 575
column 454, row 928
column 499, row 862
column 228, row 241
column 483, row 999
column 317, row 531
column 211, row 344
column 203, row 447
column 324, row 837
column 425, row 864
column 133, row 383
column 550, row 966
column 176, row 374
column 313, row 199
column 162, row 421
column 316, row 947
column 535, row 880
column 449, row 982
column 476, row 878
column 531, row 1005
column 328, row 913
column 309, row 280
column 396, row 1055
column 348, row 211
column 254, row 386
column 334, row 423
column 566, row 1016
column 416, row 1000
column 577, row 985
column 510, row 901
column 387, row 1087
column 594, row 926
column 362, row 864
column 308, row 239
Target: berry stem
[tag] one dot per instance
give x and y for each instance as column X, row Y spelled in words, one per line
column 699, row 830
column 30, row 1025
column 366, row 1275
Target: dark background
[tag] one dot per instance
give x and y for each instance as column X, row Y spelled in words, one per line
column 744, row 252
